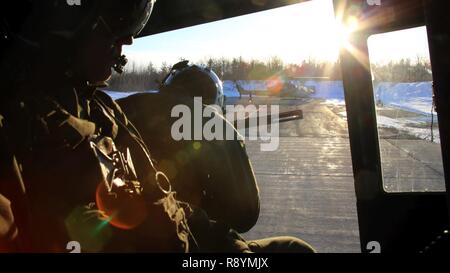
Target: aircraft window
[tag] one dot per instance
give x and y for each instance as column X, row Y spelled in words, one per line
column 407, row 122
column 286, row 57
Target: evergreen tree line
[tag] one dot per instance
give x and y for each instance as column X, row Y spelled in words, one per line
column 404, row 70
column 138, row 78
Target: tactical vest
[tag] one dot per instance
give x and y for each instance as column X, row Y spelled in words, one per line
column 75, row 170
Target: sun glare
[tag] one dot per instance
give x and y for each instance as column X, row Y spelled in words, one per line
column 294, row 33
column 344, row 30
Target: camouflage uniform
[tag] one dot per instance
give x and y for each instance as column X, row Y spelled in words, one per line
column 51, row 177
column 214, row 175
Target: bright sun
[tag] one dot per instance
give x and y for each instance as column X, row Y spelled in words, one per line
column 295, row 33
column 344, row 30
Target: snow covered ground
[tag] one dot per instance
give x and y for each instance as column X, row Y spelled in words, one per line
column 323, row 89
column 407, row 99
column 416, row 97
column 118, row 95
column 405, row 107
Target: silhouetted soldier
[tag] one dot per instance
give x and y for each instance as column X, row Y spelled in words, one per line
column 72, row 166
column 215, row 175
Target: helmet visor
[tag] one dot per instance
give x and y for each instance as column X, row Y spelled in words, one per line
column 196, row 81
column 125, row 17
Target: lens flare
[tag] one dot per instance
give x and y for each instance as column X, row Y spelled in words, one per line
column 125, row 211
column 275, row 85
column 345, row 29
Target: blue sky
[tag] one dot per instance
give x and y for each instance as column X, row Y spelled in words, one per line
column 293, row 33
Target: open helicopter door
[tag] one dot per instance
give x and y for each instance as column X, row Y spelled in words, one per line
column 393, row 221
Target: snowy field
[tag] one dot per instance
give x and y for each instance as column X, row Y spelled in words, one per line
column 118, row 95
column 403, row 109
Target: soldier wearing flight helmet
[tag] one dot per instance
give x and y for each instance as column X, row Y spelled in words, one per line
column 213, row 174
column 72, row 166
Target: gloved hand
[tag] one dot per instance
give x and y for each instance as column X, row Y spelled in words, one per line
column 213, row 236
